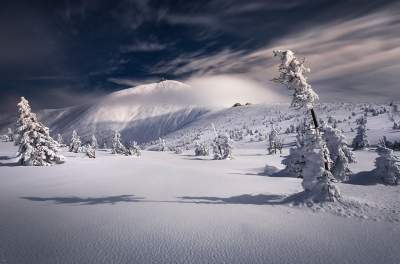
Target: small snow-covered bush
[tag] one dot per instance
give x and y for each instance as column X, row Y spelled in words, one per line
column 201, row 149
column 222, row 147
column 133, row 149
column 90, row 151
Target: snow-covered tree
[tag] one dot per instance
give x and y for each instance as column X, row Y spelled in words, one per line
column 275, row 142
column 90, row 151
column 201, row 149
column 60, row 140
column 178, row 150
column 134, row 149
column 117, row 146
column 222, row 147
column 292, row 72
column 387, row 166
column 37, row 147
column 294, row 162
column 10, row 134
column 339, row 152
column 75, row 143
column 361, row 140
column 317, row 178
column 93, row 142
column 162, row 146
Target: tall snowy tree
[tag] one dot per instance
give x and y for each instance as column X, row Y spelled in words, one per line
column 75, row 143
column 387, row 166
column 37, row 147
column 117, row 146
column 339, row 152
column 317, row 178
column 93, row 141
column 360, row 141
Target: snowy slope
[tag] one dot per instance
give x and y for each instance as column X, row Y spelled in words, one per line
column 141, row 113
column 167, row 208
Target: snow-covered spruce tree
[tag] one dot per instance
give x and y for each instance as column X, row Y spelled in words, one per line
column 275, row 142
column 387, row 165
column 361, row 140
column 201, row 149
column 75, row 143
column 117, row 146
column 222, row 147
column 10, row 135
column 134, row 149
column 93, row 142
column 162, row 146
column 317, row 178
column 90, row 151
column 60, row 140
column 37, row 147
column 339, row 152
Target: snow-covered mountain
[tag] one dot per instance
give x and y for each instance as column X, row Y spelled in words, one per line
column 140, row 113
column 167, row 109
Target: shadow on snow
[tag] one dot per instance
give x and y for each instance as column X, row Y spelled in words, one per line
column 260, row 199
column 86, row 201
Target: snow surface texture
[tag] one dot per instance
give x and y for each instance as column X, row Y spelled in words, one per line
column 168, row 208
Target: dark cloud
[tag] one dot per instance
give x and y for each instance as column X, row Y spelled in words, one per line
column 51, row 51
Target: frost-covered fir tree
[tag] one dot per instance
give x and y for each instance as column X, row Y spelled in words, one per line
column 37, row 147
column 361, row 140
column 134, row 149
column 275, row 142
column 222, row 147
column 75, row 143
column 90, row 151
column 340, row 154
column 93, row 141
column 201, row 149
column 317, row 178
column 117, row 146
column 10, row 135
column 162, row 146
column 387, row 166
column 292, row 76
column 60, row 140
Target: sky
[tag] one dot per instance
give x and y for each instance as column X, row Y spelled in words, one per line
column 63, row 53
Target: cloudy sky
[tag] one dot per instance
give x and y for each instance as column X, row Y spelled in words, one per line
column 61, row 53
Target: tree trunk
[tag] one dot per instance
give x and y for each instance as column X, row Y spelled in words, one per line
column 314, row 117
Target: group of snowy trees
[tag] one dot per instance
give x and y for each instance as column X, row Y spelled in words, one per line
column 132, row 149
column 321, row 155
